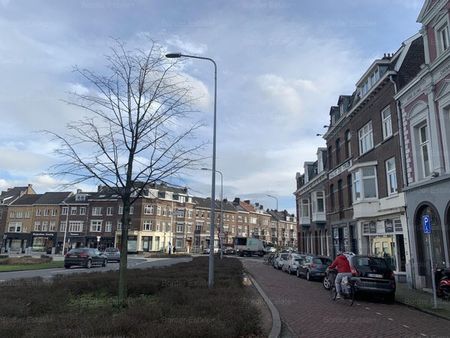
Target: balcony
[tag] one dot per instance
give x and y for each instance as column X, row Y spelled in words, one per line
column 319, row 217
column 306, row 221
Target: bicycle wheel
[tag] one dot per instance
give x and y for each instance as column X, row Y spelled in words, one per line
column 333, row 293
column 351, row 296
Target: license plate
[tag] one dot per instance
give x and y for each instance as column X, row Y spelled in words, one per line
column 374, row 275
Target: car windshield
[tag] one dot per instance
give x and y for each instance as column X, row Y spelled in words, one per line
column 79, row 250
column 370, row 264
column 298, row 259
column 322, row 260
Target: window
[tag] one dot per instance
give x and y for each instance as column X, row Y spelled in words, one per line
column 96, row 226
column 305, row 208
column 73, row 210
column 387, row 123
column 109, row 211
column 332, row 197
column 82, row 210
column 96, row 211
column 108, row 226
column 338, row 151
column 349, row 190
column 52, row 226
column 319, row 202
column 443, row 39
column 330, row 157
column 15, row 227
column 391, row 176
column 365, row 138
column 39, row 212
column 158, row 211
column 37, row 226
column 64, row 210
column 76, row 226
column 424, row 150
column 364, row 183
column 148, row 209
column 131, row 210
column 45, row 226
column 340, row 195
column 147, row 225
column 180, row 227
column 119, row 225
column 46, row 212
column 62, row 226
column 54, row 212
column 348, row 145
column 120, row 212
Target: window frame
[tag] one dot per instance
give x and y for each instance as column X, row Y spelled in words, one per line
column 391, row 173
column 386, row 123
column 363, row 135
column 358, row 179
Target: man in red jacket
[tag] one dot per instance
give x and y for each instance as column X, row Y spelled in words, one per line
column 343, row 268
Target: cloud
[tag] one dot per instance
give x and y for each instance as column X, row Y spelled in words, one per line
column 186, row 46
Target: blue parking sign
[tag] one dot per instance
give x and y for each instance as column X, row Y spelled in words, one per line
column 426, row 222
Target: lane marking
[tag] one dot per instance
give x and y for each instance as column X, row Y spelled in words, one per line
column 378, row 313
column 406, row 326
column 390, row 319
column 423, row 334
column 367, row 308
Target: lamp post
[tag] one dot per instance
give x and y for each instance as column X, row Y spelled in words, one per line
column 65, row 230
column 213, row 183
column 221, row 233
column 276, row 216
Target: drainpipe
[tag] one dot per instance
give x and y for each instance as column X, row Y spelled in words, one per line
column 400, row 132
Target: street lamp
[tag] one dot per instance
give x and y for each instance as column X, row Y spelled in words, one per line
column 213, row 183
column 276, row 216
column 65, row 230
column 221, row 233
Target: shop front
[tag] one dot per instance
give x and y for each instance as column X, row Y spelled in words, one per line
column 344, row 238
column 385, row 238
column 16, row 242
column 44, row 242
column 99, row 242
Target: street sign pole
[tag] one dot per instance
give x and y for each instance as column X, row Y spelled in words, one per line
column 426, row 222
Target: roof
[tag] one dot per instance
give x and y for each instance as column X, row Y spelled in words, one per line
column 11, row 194
column 53, row 197
column 28, row 199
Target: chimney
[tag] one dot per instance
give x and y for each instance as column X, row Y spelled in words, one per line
column 225, row 201
column 257, row 204
column 247, row 201
column 79, row 191
column 236, row 201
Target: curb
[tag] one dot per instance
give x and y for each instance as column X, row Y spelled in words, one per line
column 276, row 321
column 431, row 313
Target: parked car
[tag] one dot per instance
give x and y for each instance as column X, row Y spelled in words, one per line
column 86, row 257
column 228, row 250
column 279, row 260
column 292, row 263
column 313, row 267
column 373, row 275
column 113, row 254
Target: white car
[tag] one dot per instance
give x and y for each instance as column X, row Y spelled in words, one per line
column 279, row 260
column 291, row 264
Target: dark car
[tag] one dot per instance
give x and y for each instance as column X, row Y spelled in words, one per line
column 313, row 267
column 86, row 257
column 228, row 250
column 113, row 254
column 373, row 275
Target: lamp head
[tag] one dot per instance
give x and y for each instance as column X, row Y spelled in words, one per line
column 173, row 55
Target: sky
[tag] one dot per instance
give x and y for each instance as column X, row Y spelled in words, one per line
column 281, row 65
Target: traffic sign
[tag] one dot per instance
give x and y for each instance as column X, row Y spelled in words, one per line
column 426, row 223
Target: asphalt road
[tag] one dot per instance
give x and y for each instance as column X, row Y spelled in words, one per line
column 308, row 311
column 133, row 263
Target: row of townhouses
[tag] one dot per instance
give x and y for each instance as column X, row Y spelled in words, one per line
column 386, row 163
column 165, row 216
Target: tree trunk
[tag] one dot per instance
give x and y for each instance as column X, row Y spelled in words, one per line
column 124, row 253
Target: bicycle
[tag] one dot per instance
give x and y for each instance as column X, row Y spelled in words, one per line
column 348, row 290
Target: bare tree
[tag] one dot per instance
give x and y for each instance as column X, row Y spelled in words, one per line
column 138, row 130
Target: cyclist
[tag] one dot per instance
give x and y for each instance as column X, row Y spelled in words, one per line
column 343, row 268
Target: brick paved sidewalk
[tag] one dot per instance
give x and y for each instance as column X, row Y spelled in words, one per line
column 308, row 311
column 422, row 301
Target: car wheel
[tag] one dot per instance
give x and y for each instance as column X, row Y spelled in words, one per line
column 326, row 283
column 89, row 264
column 105, row 262
column 308, row 275
column 66, row 266
column 298, row 273
column 289, row 271
column 390, row 298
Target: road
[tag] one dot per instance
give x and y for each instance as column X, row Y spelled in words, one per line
column 307, row 310
column 133, row 263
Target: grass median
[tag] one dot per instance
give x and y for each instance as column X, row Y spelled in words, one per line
column 38, row 266
column 173, row 301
